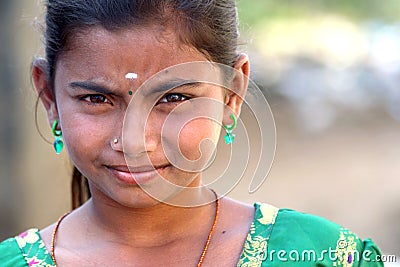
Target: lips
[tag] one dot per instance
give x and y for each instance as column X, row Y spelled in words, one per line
column 135, row 175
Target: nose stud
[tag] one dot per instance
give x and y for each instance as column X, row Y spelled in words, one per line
column 115, row 141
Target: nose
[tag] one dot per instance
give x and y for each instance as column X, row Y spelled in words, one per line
column 139, row 136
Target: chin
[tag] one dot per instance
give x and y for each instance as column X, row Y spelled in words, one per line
column 143, row 196
column 139, row 203
column 139, row 198
column 132, row 197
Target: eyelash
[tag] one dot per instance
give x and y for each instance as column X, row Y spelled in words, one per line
column 89, row 99
column 164, row 99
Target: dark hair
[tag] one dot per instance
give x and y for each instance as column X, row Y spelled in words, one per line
column 210, row 26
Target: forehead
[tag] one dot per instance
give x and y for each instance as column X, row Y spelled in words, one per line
column 144, row 50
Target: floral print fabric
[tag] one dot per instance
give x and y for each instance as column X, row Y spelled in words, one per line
column 255, row 247
column 33, row 249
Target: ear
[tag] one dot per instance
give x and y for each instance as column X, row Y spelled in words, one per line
column 234, row 99
column 43, row 87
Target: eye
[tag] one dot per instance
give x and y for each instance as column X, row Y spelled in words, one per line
column 96, row 99
column 172, row 98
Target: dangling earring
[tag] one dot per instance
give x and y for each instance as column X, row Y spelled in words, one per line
column 230, row 137
column 58, row 143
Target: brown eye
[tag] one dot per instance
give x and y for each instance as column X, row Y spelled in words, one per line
column 171, row 98
column 96, row 99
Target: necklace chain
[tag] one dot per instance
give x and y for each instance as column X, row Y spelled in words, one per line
column 53, row 238
column 210, row 234
column 203, row 254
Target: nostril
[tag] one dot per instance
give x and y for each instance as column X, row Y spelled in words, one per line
column 133, row 146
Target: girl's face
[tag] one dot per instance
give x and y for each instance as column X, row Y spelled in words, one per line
column 91, row 97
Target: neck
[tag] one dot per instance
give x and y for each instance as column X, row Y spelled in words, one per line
column 158, row 224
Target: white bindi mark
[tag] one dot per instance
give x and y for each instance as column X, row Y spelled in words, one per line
column 131, row 76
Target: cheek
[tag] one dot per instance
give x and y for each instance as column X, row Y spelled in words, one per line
column 199, row 138
column 86, row 137
column 80, row 138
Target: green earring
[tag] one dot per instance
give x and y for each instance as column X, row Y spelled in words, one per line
column 230, row 137
column 58, row 143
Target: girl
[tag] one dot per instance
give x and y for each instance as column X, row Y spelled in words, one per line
column 133, row 88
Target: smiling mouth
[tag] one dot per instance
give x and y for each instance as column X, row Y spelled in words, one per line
column 135, row 175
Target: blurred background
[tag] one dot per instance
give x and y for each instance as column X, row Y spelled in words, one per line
column 331, row 73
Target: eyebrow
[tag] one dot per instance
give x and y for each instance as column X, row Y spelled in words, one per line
column 170, row 85
column 91, row 86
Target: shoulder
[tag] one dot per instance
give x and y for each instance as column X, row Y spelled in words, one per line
column 26, row 249
column 292, row 237
column 11, row 254
column 305, row 224
column 309, row 230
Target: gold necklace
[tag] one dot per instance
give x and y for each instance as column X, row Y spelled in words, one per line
column 203, row 254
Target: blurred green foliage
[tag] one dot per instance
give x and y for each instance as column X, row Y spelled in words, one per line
column 253, row 12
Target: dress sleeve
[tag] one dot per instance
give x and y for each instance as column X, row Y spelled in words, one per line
column 26, row 249
column 11, row 254
column 370, row 255
column 305, row 240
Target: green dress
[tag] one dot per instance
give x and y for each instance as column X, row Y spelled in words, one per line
column 277, row 237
